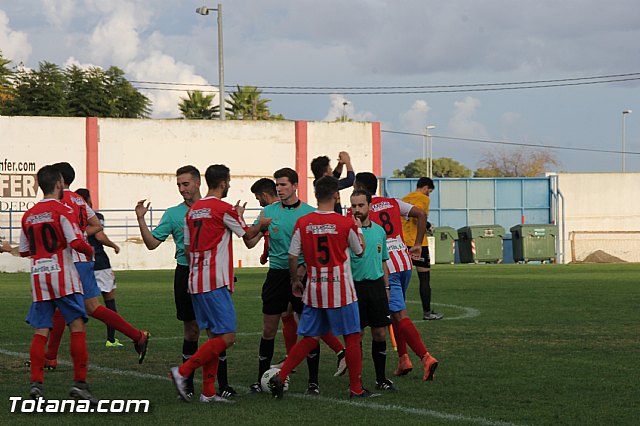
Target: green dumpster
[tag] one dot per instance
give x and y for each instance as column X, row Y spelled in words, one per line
column 480, row 243
column 445, row 244
column 534, row 242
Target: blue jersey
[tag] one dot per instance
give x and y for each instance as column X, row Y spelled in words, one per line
column 100, row 256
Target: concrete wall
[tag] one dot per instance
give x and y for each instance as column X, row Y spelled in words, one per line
column 122, row 161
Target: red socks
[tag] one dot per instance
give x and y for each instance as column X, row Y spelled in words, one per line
column 79, row 355
column 55, row 335
column 401, row 343
column 412, row 337
column 209, row 370
column 289, row 331
column 353, row 355
column 297, row 354
column 205, row 354
column 36, row 354
column 333, row 342
column 114, row 320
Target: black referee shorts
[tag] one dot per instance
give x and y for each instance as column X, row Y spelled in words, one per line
column 373, row 303
column 277, row 294
column 184, row 307
column 425, row 261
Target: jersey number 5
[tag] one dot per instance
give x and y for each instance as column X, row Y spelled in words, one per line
column 323, row 250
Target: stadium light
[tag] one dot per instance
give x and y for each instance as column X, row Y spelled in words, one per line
column 624, row 114
column 428, row 150
column 203, row 10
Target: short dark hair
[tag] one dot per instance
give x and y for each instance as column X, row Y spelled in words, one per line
column 192, row 170
column 425, row 181
column 84, row 193
column 264, row 186
column 216, row 174
column 47, row 177
column 319, row 165
column 67, row 172
column 287, row 172
column 325, row 187
column 367, row 181
column 366, row 193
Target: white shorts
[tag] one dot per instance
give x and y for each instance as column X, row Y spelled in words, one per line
column 106, row 280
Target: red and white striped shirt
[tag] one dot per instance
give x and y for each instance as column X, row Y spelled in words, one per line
column 324, row 238
column 82, row 214
column 47, row 230
column 387, row 212
column 208, row 227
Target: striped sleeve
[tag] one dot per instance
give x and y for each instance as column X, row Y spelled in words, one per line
column 233, row 221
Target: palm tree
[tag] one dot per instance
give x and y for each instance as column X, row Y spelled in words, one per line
column 198, row 106
column 245, row 104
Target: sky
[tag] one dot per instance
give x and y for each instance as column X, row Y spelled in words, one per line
column 381, row 44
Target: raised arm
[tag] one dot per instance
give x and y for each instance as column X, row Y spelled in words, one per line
column 149, row 240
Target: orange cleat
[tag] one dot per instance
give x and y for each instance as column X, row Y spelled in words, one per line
column 404, row 366
column 430, row 364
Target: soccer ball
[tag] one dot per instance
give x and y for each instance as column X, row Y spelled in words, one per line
column 264, row 380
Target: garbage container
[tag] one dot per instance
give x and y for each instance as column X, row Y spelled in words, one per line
column 480, row 243
column 445, row 244
column 534, row 242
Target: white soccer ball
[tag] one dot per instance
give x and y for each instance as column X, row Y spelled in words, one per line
column 264, row 380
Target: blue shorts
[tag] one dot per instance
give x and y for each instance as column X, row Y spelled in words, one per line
column 316, row 322
column 88, row 279
column 41, row 313
column 398, row 284
column 214, row 311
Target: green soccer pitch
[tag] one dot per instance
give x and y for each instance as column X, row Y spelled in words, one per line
column 519, row 345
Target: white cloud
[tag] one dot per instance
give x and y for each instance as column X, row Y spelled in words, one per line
column 415, row 119
column 14, row 45
column 163, row 68
column 340, row 105
column 59, row 12
column 463, row 123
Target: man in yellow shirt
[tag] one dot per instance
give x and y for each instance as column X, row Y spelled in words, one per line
column 420, row 199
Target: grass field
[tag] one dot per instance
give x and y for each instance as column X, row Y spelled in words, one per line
column 520, row 344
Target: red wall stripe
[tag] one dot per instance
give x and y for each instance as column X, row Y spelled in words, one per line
column 301, row 159
column 92, row 135
column 376, row 149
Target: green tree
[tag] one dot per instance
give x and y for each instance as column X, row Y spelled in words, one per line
column 6, row 83
column 198, row 106
column 246, row 104
column 522, row 161
column 125, row 101
column 442, row 167
column 39, row 92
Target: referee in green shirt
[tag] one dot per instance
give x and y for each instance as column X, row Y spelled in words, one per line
column 370, row 276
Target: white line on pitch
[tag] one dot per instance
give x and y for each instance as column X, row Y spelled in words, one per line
column 467, row 312
column 368, row 405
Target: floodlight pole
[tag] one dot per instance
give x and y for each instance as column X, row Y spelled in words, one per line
column 205, row 11
column 429, row 165
column 624, row 114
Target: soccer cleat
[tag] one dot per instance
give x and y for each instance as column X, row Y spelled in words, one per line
column 279, row 364
column 386, row 385
column 432, row 316
column 364, row 394
column 36, row 391
column 276, row 386
column 312, row 390
column 49, row 364
column 430, row 364
column 404, row 366
column 180, row 384
column 227, row 392
column 80, row 391
column 341, row 367
column 115, row 344
column 141, row 345
column 255, row 388
column 215, row 398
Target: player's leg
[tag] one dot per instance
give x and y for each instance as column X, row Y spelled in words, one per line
column 397, row 304
column 289, row 329
column 107, row 284
column 40, row 318
column 424, row 276
column 55, row 337
column 415, row 342
column 185, row 313
column 94, row 309
column 376, row 315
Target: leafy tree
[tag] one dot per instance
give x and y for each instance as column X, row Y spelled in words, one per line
column 39, row 92
column 198, row 106
column 124, row 99
column 442, row 167
column 6, row 85
column 246, row 104
column 519, row 162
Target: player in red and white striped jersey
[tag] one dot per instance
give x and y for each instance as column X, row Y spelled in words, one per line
column 387, row 212
column 209, row 225
column 330, row 303
column 89, row 224
column 49, row 232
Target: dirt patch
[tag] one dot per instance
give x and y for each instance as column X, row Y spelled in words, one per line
column 600, row 256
